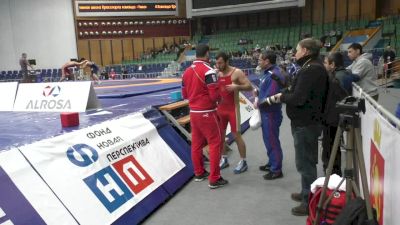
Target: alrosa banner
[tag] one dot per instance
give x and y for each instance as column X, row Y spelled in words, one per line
column 56, row 97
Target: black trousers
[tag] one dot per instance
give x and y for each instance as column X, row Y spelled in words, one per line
column 329, row 133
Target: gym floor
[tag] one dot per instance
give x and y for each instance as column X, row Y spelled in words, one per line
column 248, row 199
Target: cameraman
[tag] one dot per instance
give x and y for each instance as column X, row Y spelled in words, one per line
column 305, row 101
column 339, row 88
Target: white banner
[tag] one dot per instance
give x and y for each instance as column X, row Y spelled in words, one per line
column 381, row 147
column 24, row 197
column 8, row 91
column 246, row 110
column 102, row 171
column 56, row 97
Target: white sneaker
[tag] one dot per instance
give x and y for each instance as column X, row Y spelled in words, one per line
column 241, row 167
column 223, row 163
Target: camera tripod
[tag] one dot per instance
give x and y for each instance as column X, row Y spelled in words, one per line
column 349, row 122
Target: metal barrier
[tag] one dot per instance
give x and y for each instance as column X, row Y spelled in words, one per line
column 386, row 114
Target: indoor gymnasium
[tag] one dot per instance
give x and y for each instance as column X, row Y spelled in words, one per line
column 199, row 112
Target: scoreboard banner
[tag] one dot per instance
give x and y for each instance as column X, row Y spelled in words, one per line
column 101, row 172
column 126, row 8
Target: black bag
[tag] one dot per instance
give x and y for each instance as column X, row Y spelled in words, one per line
column 355, row 213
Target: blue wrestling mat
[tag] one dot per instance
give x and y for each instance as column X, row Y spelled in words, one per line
column 134, row 87
column 119, row 97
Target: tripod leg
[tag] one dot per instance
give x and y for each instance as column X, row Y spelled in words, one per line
column 363, row 173
column 348, row 172
column 328, row 173
column 356, row 176
column 356, row 191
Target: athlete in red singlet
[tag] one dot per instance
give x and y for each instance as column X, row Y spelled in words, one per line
column 231, row 80
column 65, row 72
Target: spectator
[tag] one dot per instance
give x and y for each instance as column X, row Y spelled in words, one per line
column 389, row 56
column 104, row 75
column 124, row 72
column 112, row 74
column 305, row 100
column 140, row 68
column 271, row 82
column 256, row 55
column 363, row 67
column 339, row 88
column 23, row 62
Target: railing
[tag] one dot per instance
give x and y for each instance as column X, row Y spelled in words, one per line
column 386, row 114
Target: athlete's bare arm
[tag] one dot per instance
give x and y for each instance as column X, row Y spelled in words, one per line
column 85, row 63
column 239, row 82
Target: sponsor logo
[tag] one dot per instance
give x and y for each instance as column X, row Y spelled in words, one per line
column 46, row 104
column 51, row 91
column 377, row 173
column 377, row 133
column 242, row 100
column 115, row 184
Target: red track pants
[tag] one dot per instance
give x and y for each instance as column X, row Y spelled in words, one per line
column 206, row 130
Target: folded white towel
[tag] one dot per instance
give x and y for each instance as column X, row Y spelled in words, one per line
column 334, row 181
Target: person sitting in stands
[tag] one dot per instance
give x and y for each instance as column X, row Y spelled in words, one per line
column 112, row 74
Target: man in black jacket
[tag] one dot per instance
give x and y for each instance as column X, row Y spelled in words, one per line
column 305, row 101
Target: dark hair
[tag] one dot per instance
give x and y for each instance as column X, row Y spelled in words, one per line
column 201, row 50
column 337, row 58
column 270, row 55
column 82, row 59
column 312, row 45
column 222, row 55
column 356, row 46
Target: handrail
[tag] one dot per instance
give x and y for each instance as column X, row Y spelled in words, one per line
column 375, row 31
column 386, row 114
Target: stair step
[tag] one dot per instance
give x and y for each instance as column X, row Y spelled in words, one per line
column 184, row 120
column 175, row 105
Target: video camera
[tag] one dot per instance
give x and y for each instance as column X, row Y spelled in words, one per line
column 351, row 105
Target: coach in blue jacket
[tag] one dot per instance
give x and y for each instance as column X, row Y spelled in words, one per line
column 271, row 83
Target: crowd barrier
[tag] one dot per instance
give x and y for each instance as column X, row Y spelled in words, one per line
column 118, row 172
column 380, row 132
